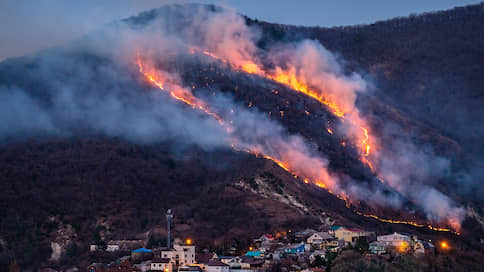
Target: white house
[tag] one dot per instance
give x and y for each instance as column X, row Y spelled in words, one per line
column 217, row 266
column 187, row 253
column 396, row 239
column 180, row 255
column 112, row 247
column 318, row 238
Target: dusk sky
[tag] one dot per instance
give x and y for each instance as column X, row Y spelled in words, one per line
column 27, row 26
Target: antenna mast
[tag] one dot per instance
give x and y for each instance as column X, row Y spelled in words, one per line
column 169, row 216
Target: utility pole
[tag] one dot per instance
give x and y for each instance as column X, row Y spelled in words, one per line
column 169, row 216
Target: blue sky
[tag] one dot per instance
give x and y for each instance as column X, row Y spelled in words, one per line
column 27, row 26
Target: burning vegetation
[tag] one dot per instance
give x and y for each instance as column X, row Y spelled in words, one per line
column 184, row 95
column 310, row 70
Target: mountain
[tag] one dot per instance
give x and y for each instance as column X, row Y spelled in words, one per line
column 426, row 66
column 92, row 150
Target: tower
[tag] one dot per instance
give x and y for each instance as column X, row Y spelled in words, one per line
column 169, row 216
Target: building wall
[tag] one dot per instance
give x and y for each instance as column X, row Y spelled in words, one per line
column 186, row 253
column 218, row 269
column 112, row 248
column 394, row 239
column 348, row 235
column 160, row 266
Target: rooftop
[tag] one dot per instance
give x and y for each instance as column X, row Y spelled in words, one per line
column 142, row 249
column 217, row 263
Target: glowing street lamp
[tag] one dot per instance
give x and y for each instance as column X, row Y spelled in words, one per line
column 444, row 245
column 188, row 241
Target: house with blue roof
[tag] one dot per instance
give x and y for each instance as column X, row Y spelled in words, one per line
column 294, row 249
column 254, row 254
column 141, row 254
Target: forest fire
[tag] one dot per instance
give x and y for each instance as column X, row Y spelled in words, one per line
column 289, row 78
column 152, row 75
column 411, row 223
column 176, row 91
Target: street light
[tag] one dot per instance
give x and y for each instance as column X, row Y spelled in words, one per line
column 444, row 245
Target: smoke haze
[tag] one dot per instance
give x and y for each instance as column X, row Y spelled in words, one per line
column 93, row 86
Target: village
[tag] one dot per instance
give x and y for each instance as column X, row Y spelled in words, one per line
column 305, row 250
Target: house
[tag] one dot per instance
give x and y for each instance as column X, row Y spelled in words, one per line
column 237, row 263
column 318, row 238
column 254, row 263
column 161, row 264
column 396, row 239
column 217, row 266
column 350, row 235
column 124, row 245
column 254, row 254
column 143, row 266
column 112, row 247
column 423, row 247
column 377, row 247
column 203, row 259
column 141, row 254
column 314, row 254
column 336, row 245
column 226, row 259
column 264, row 239
column 295, row 249
column 180, row 255
column 187, row 253
column 300, row 235
column 188, row 268
column 397, row 242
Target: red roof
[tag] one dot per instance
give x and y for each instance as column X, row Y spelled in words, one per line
column 269, row 236
column 355, row 230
